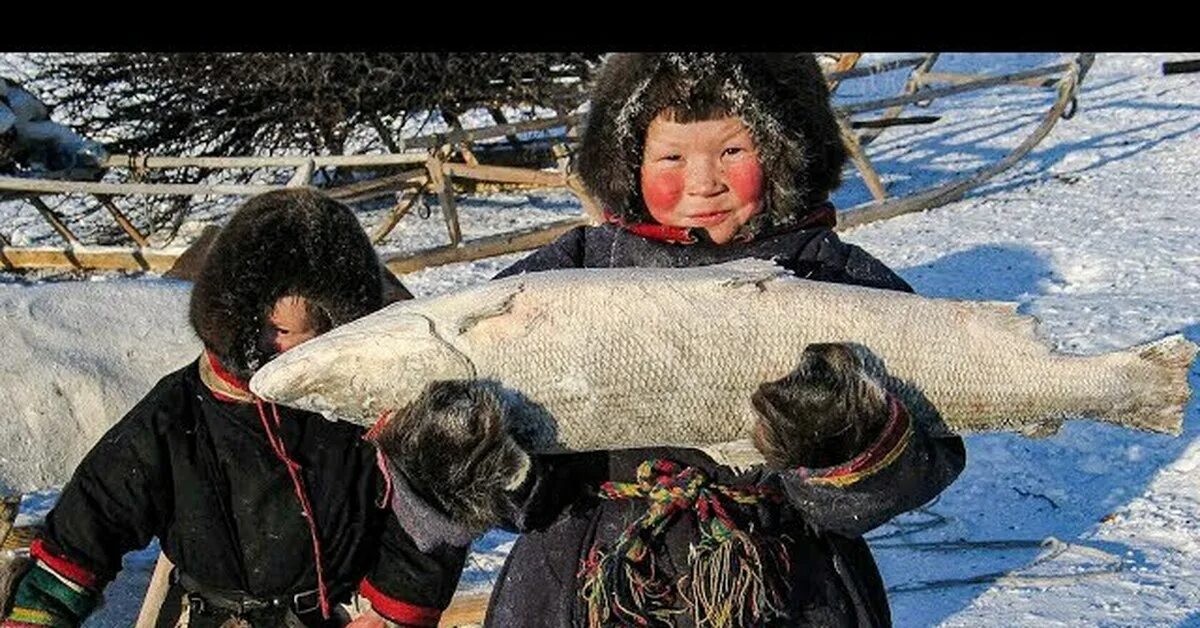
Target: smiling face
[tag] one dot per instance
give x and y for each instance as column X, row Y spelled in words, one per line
column 703, row 174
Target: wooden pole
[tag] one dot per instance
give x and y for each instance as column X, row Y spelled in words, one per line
column 123, row 221
column 441, row 183
column 52, row 217
column 846, row 61
column 112, row 189
column 482, row 247
column 910, row 86
column 374, row 188
column 156, row 593
column 475, row 135
column 398, row 211
column 505, row 174
column 92, row 258
column 957, row 78
column 840, row 73
column 456, row 126
column 593, row 211
column 144, row 162
column 303, row 175
column 930, row 94
column 869, row 175
column 953, row 190
column 499, row 118
column 464, row 610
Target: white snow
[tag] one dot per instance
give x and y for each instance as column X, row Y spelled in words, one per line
column 1096, row 233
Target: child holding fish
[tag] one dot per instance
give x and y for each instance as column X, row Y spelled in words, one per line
column 698, row 159
column 271, row 516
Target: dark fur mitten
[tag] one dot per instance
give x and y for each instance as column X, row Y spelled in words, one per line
column 455, row 449
column 12, row 568
column 825, row 412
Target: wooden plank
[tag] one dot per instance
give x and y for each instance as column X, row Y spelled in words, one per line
column 463, row 148
column 372, row 188
column 959, row 78
column 92, row 258
column 841, row 74
column 499, row 118
column 445, row 191
column 859, row 158
column 956, row 189
column 147, row 162
column 123, row 221
column 464, row 610
column 930, row 94
column 52, row 217
column 486, row 133
column 892, row 113
column 112, row 189
column 480, row 248
column 590, row 207
column 303, row 175
column 156, row 593
column 505, row 174
column 398, row 211
column 4, row 261
column 846, row 61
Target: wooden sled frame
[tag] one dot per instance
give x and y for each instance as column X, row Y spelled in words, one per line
column 428, row 165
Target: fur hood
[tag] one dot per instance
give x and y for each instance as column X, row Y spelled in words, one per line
column 288, row 242
column 782, row 98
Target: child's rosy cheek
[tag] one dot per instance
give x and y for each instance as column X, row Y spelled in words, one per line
column 746, row 179
column 662, row 190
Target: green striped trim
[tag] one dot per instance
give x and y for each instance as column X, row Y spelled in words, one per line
column 42, row 589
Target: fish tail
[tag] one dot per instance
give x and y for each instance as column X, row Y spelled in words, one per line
column 1159, row 371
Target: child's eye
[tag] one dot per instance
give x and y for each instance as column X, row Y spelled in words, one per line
column 733, row 150
column 672, row 157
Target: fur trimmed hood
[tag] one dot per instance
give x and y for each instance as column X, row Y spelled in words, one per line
column 288, row 242
column 782, row 98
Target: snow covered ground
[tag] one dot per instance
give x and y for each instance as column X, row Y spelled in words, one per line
column 1097, row 233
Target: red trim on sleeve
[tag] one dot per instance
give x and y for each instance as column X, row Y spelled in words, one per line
column 397, row 610
column 62, row 566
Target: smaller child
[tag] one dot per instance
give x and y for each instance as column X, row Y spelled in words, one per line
column 271, row 516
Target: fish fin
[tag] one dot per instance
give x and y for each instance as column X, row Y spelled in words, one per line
column 749, row 271
column 1173, row 352
column 740, row 455
column 1006, row 315
column 490, row 304
column 1161, row 370
column 1042, row 429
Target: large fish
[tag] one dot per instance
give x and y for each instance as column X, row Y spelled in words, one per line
column 611, row 358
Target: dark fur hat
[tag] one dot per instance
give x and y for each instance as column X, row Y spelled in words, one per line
column 782, row 98
column 288, row 242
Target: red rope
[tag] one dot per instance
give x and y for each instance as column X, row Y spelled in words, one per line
column 293, row 469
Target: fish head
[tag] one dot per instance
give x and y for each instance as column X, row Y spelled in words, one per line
column 378, row 363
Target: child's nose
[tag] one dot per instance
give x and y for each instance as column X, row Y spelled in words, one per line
column 703, row 178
